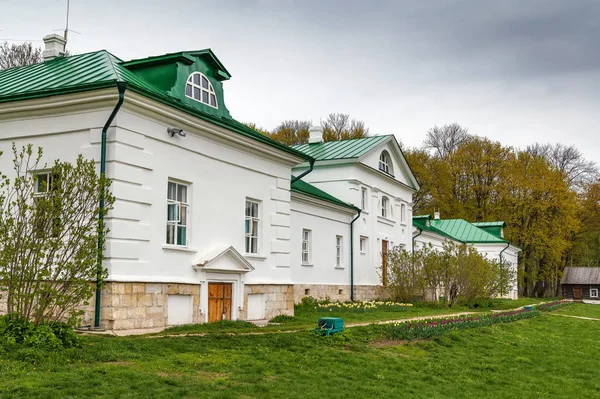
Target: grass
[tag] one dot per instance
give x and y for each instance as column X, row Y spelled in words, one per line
column 505, row 304
column 546, row 356
column 580, row 309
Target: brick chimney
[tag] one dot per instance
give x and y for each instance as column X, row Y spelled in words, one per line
column 54, row 46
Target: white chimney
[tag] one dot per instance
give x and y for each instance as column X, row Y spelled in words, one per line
column 54, row 47
column 436, row 215
column 315, row 134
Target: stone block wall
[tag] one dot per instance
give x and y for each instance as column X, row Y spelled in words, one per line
column 279, row 299
column 139, row 305
column 339, row 293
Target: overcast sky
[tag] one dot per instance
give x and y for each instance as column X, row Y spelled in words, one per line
column 517, row 71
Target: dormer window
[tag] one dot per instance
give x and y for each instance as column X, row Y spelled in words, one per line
column 199, row 88
column 385, row 163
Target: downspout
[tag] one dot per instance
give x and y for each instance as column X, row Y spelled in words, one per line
column 413, row 239
column 352, row 255
column 311, row 164
column 121, row 86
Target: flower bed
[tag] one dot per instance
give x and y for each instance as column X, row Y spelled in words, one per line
column 361, row 307
column 430, row 327
column 550, row 306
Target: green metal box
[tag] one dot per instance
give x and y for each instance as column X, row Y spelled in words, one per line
column 330, row 325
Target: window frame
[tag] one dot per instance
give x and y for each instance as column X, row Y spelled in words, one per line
column 594, row 289
column 249, row 220
column 209, row 90
column 183, row 208
column 339, row 251
column 403, row 213
column 385, row 163
column 364, row 198
column 306, row 247
column 363, row 244
column 385, row 207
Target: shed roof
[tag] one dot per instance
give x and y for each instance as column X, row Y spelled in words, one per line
column 303, row 187
column 342, row 149
column 581, row 275
column 101, row 69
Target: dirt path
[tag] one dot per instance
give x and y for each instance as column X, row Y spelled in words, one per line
column 350, row 325
column 574, row 317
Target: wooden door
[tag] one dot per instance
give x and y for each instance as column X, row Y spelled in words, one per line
column 384, row 271
column 219, row 301
column 577, row 293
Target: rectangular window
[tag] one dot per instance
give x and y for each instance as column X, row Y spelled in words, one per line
column 402, row 213
column 306, row 235
column 593, row 292
column 338, row 250
column 177, row 213
column 251, row 228
column 363, row 198
column 48, row 205
column 364, row 242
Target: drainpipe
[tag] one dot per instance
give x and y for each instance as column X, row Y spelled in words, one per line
column 352, row 256
column 311, row 164
column 121, row 88
column 507, row 245
column 413, row 239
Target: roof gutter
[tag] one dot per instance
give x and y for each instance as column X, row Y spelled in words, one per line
column 352, row 255
column 311, row 164
column 505, row 248
column 121, row 86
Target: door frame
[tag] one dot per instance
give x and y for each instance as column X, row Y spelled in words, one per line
column 230, row 310
column 237, row 293
column 580, row 290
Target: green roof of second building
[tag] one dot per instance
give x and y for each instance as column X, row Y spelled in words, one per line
column 303, row 187
column 343, row 149
column 457, row 229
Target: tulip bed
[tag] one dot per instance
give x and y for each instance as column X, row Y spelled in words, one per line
column 362, row 307
column 431, row 327
column 550, row 306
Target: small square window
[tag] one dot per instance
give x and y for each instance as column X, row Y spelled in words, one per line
column 307, row 291
column 364, row 243
column 593, row 292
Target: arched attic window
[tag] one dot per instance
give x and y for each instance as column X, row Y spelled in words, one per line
column 199, row 88
column 385, row 163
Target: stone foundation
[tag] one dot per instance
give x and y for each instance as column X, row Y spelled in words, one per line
column 139, row 305
column 339, row 293
column 279, row 299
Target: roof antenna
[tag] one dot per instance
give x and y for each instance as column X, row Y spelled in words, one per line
column 67, row 30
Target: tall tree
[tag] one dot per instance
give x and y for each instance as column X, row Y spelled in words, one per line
column 291, row 132
column 16, row 55
column 341, row 127
column 444, row 140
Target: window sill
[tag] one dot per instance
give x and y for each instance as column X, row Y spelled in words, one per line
column 178, row 248
column 255, row 256
column 307, row 264
column 363, row 252
column 385, row 220
column 364, row 212
column 340, row 267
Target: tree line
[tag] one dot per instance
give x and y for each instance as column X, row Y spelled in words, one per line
column 548, row 195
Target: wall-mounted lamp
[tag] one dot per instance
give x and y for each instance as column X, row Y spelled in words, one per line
column 173, row 131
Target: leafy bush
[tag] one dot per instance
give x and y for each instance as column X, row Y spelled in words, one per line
column 429, row 328
column 283, row 318
column 15, row 330
column 550, row 306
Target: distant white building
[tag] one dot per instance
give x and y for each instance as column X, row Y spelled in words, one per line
column 208, row 221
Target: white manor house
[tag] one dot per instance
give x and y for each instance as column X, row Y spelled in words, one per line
column 212, row 220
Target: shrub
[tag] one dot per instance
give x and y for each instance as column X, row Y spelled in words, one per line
column 283, row 318
column 15, row 330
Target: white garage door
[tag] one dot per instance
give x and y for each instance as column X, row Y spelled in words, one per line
column 256, row 307
column 180, row 309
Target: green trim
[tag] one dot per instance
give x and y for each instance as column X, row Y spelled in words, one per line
column 303, row 187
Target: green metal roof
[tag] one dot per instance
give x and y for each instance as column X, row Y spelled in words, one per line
column 489, row 224
column 457, row 229
column 343, row 149
column 303, row 187
column 100, row 69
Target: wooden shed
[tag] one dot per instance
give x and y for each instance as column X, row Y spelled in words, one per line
column 581, row 283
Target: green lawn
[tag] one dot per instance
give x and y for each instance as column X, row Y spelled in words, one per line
column 547, row 356
column 580, row 309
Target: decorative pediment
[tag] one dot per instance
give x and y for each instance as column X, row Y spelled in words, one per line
column 228, row 260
